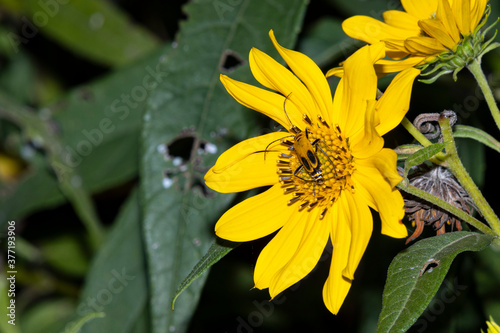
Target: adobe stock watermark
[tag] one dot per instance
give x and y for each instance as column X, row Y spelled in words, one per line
column 448, row 295
column 119, row 110
column 39, row 19
column 471, row 103
column 103, row 297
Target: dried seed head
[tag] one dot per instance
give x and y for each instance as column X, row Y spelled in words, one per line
column 439, row 182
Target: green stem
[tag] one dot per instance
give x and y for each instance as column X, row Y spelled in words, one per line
column 415, row 132
column 475, row 68
column 408, row 125
column 458, row 170
column 463, row 216
column 69, row 179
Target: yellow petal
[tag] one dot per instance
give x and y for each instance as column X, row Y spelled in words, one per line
column 282, row 248
column 274, row 76
column 395, row 101
column 384, row 163
column 336, row 71
column 305, row 257
column 424, row 46
column 359, row 88
column 266, row 102
column 477, row 12
column 361, row 224
column 445, row 15
column 402, row 20
column 461, row 11
column 338, row 99
column 377, row 191
column 256, row 217
column 370, row 30
column 436, row 29
column 492, row 326
column 367, row 142
column 389, row 66
column 390, row 227
column 422, row 9
column 248, row 164
column 395, row 48
column 311, row 75
column 337, row 286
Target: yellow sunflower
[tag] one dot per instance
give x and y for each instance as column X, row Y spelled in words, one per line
column 324, row 173
column 426, row 29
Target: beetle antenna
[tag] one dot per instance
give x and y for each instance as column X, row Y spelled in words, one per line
column 293, row 127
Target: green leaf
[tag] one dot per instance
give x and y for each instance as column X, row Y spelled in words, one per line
column 422, row 155
column 192, row 103
column 17, row 78
column 75, row 326
column 469, row 132
column 95, row 29
column 39, row 131
column 405, row 151
column 98, row 126
column 416, row 273
column 215, row 253
column 47, row 316
column 325, row 41
column 116, row 284
column 38, row 188
column 66, row 254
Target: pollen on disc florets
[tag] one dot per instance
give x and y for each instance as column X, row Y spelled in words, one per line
column 332, row 150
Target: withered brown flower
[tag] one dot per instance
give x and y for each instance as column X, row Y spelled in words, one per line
column 439, row 182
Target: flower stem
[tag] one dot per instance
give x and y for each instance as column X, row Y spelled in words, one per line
column 475, row 68
column 446, row 206
column 41, row 131
column 408, row 125
column 415, row 132
column 456, row 167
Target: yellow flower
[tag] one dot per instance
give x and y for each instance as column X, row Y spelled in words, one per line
column 492, row 326
column 10, row 168
column 324, row 173
column 426, row 29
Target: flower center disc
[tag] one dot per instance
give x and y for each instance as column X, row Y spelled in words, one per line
column 314, row 173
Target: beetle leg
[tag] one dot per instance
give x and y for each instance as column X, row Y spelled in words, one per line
column 297, row 170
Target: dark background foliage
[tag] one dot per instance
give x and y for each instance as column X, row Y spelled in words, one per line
column 112, row 82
